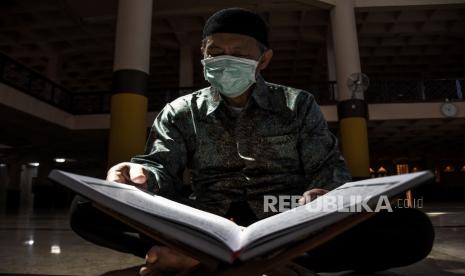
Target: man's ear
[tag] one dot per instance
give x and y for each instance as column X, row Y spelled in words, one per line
column 265, row 60
column 202, row 51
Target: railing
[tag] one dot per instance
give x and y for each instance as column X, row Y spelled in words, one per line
column 379, row 91
column 402, row 91
column 99, row 102
column 24, row 79
column 32, row 83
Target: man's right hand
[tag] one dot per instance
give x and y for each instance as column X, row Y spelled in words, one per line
column 128, row 173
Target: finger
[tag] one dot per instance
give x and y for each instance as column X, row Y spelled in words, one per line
column 320, row 191
column 116, row 177
column 119, row 166
column 311, row 195
column 119, row 173
column 137, row 174
column 152, row 255
column 153, row 270
column 144, row 271
column 314, row 193
column 306, row 198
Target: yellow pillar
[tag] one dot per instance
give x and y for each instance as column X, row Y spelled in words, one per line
column 130, row 79
column 354, row 145
column 352, row 111
column 128, row 126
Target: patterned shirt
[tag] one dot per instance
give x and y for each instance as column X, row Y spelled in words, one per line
column 279, row 144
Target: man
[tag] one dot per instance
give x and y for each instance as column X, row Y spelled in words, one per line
column 243, row 138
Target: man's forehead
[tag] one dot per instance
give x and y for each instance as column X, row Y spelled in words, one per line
column 230, row 40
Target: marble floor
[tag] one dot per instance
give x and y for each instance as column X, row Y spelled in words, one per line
column 43, row 244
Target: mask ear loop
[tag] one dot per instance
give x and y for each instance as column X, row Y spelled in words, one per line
column 257, row 72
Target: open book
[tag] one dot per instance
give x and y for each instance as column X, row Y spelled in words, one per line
column 223, row 239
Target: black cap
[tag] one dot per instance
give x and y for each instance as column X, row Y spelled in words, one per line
column 237, row 21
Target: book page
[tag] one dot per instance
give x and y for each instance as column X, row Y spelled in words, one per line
column 220, row 236
column 218, row 227
column 310, row 216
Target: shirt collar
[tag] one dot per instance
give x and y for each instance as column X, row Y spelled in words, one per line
column 265, row 97
column 268, row 98
column 213, row 99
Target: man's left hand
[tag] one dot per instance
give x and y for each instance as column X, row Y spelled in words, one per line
column 311, row 195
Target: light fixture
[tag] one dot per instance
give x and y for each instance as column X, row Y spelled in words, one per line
column 60, row 160
column 435, row 214
column 29, row 242
column 382, row 170
column 34, row 164
column 402, row 168
column 449, row 168
column 2, row 165
column 463, row 168
column 371, row 170
column 55, row 249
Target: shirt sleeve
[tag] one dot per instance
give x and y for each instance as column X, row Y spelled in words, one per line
column 321, row 158
column 165, row 154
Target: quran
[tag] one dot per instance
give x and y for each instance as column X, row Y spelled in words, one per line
column 194, row 230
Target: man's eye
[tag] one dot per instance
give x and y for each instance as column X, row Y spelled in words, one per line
column 244, row 56
column 213, row 54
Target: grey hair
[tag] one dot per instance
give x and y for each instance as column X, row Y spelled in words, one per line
column 261, row 47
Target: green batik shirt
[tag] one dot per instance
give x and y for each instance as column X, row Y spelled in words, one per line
column 279, row 144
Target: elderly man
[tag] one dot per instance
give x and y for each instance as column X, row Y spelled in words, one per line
column 243, row 138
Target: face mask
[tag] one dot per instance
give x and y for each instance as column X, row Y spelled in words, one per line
column 231, row 75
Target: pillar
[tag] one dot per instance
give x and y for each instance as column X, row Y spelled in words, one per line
column 43, row 189
column 130, row 80
column 330, row 60
column 3, row 186
column 28, row 175
column 352, row 113
column 13, row 187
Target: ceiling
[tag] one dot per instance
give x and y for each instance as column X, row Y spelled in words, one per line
column 72, row 41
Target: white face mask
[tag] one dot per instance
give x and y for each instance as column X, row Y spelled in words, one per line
column 231, row 75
